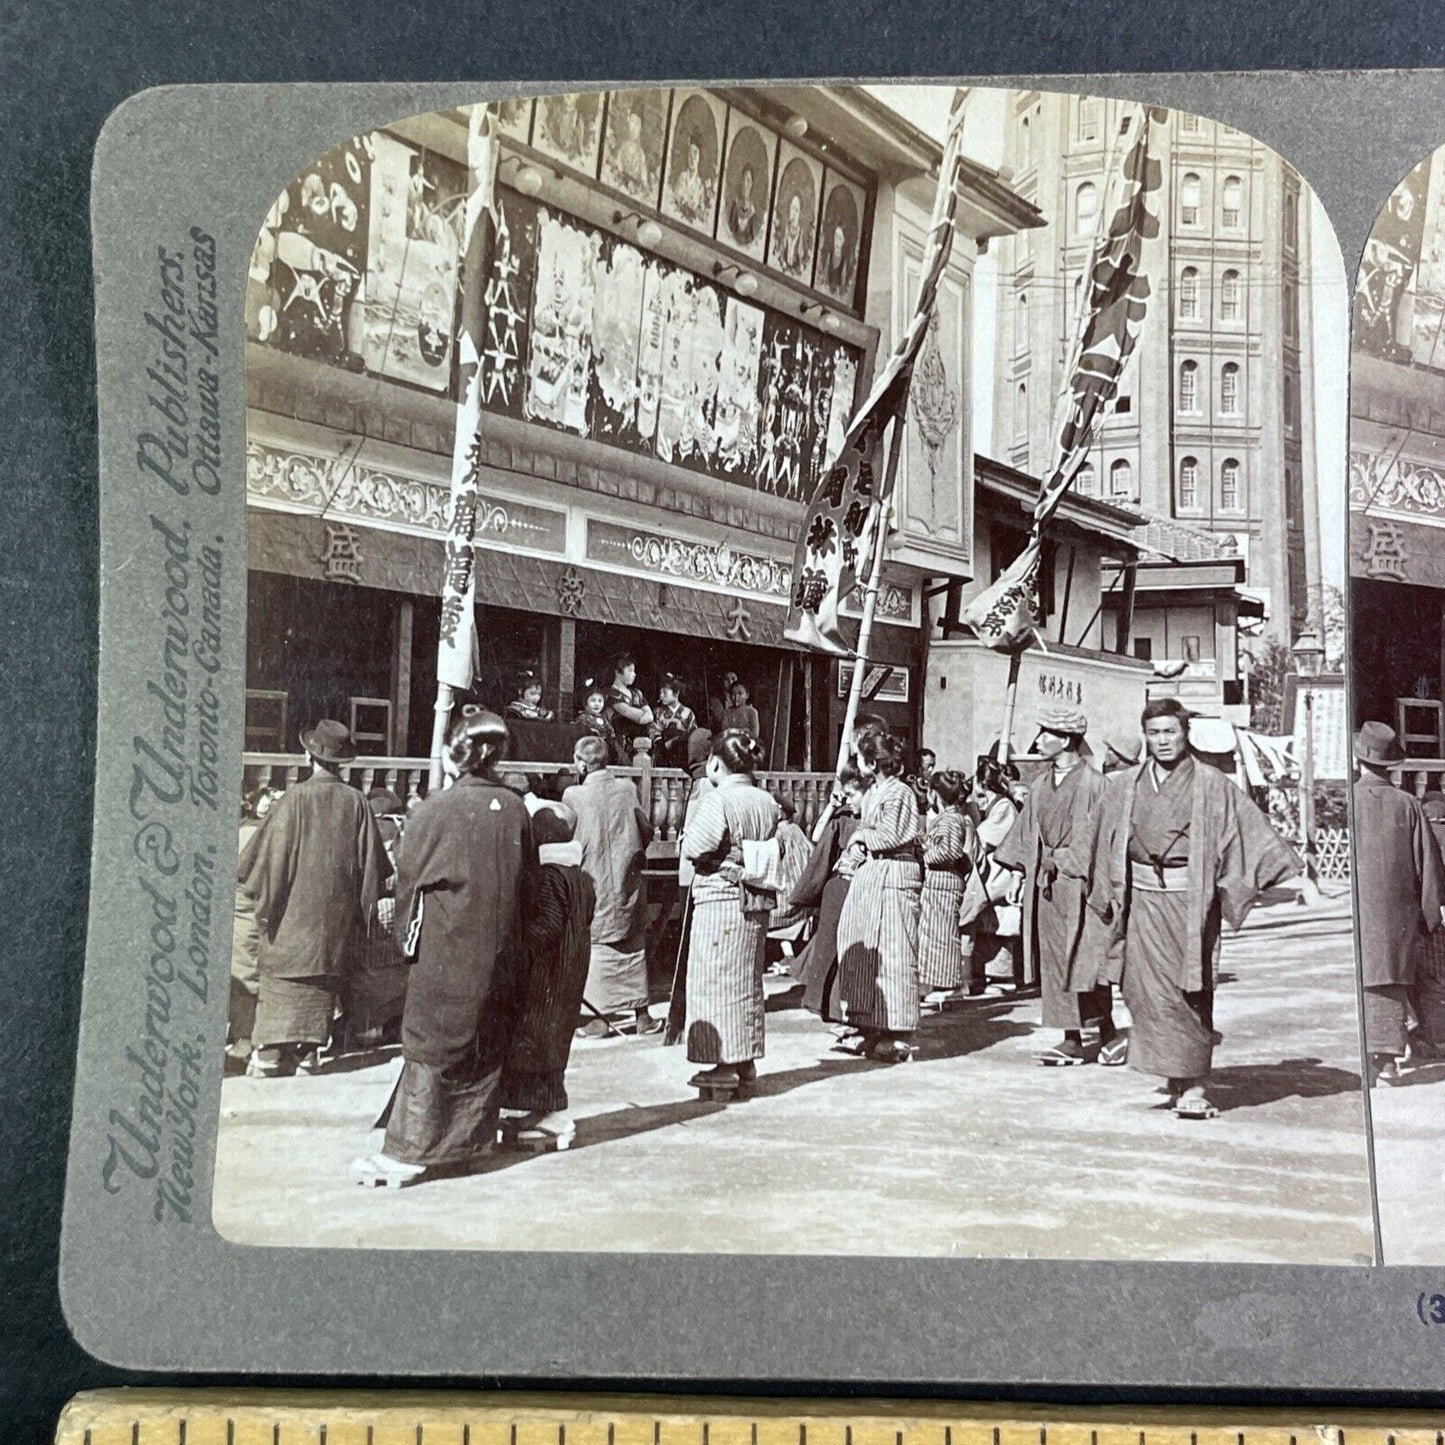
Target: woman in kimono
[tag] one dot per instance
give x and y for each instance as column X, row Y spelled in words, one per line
column 997, row 954
column 948, row 851
column 465, row 874
column 824, row 886
column 878, row 928
column 729, row 920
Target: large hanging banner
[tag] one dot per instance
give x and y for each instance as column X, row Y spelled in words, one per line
column 590, row 335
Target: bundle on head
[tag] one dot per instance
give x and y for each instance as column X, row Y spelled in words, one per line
column 950, row 785
column 882, row 752
column 477, row 740
column 738, row 751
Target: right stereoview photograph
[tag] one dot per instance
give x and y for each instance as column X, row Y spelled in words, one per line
column 1397, row 626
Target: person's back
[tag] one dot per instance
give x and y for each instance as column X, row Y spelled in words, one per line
column 614, row 842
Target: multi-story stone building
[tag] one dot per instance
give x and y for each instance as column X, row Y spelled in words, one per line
column 1215, row 427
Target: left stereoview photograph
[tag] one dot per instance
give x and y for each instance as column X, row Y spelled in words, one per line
column 794, row 687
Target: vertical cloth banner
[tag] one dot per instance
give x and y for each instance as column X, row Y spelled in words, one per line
column 1005, row 615
column 850, row 498
column 457, row 646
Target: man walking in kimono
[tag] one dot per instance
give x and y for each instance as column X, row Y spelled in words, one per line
column 1054, row 845
column 1181, row 848
column 314, row 870
column 1401, row 889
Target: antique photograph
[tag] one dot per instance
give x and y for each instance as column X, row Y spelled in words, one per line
column 1397, row 616
column 809, row 717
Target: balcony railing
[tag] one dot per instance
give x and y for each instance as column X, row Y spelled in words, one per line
column 661, row 792
column 1418, row 775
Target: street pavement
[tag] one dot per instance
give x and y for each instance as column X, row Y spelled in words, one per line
column 972, row 1149
column 1409, row 1130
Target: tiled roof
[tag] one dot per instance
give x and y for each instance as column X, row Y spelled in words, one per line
column 1179, row 542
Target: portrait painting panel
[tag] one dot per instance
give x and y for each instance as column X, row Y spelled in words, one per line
column 747, row 186
column 514, row 119
column 694, row 159
column 633, row 145
column 569, row 129
column 839, row 240
column 795, row 213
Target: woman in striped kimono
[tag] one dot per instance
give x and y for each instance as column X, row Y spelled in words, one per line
column 878, row 928
column 949, row 848
column 729, row 920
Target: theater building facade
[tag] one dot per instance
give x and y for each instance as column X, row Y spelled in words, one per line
column 687, row 294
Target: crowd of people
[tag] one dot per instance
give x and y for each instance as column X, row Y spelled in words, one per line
column 500, row 926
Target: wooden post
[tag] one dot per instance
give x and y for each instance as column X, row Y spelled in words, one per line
column 808, row 671
column 782, row 714
column 1125, row 625
column 397, row 744
column 566, row 669
column 1010, row 699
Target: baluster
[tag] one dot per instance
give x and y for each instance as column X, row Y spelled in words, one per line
column 674, row 808
column 293, row 772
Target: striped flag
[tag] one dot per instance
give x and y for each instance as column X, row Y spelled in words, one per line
column 457, row 647
column 1005, row 616
column 836, row 543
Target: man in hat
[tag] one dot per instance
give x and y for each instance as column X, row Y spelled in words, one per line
column 1121, row 750
column 1401, row 887
column 1053, row 844
column 614, row 833
column 1180, row 849
column 315, row 870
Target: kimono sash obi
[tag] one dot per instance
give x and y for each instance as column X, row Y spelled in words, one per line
column 906, row 853
column 1159, row 878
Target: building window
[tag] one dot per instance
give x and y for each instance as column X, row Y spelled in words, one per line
column 1189, row 484
column 1233, row 202
column 1189, row 294
column 1189, row 122
column 1291, row 220
column 1291, row 312
column 1086, row 206
column 1026, row 144
column 1229, row 389
column 1229, row 485
column 1291, row 417
column 1144, row 649
column 1123, row 405
column 1021, row 421
column 1121, row 479
column 1088, row 118
column 1189, row 386
column 1189, row 193
column 1086, row 481
column 1021, row 336
column 1229, row 296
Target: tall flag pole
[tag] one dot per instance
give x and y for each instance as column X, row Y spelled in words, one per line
column 847, row 519
column 1005, row 615
column 457, row 646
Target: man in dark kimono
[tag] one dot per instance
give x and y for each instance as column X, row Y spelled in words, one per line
column 1401, row 885
column 556, row 951
column 464, row 879
column 1182, row 848
column 314, row 870
column 1054, row 845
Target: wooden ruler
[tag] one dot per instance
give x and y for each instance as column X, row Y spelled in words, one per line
column 260, row 1417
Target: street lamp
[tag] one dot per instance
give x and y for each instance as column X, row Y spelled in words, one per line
column 1309, row 654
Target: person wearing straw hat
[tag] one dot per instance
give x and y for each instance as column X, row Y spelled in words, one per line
column 314, row 871
column 1182, row 850
column 1054, row 845
column 1401, row 887
column 1121, row 750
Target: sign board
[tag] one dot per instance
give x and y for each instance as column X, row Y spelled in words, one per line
column 881, row 683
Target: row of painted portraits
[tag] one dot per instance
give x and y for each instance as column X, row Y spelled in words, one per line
column 1400, row 287
column 711, row 167
column 590, row 335
column 356, row 263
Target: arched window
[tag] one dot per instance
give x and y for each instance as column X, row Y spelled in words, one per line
column 1291, row 220
column 1229, row 485
column 1088, row 118
column 1189, row 386
column 1086, row 481
column 1189, row 294
column 1021, row 421
column 1229, row 389
column 1026, row 143
column 1189, row 484
column 1229, row 296
column 1232, row 203
column 1021, row 335
column 1189, row 193
column 1289, row 403
column 1086, row 206
column 1121, row 479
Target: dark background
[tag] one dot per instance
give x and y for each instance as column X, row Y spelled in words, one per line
column 65, row 66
